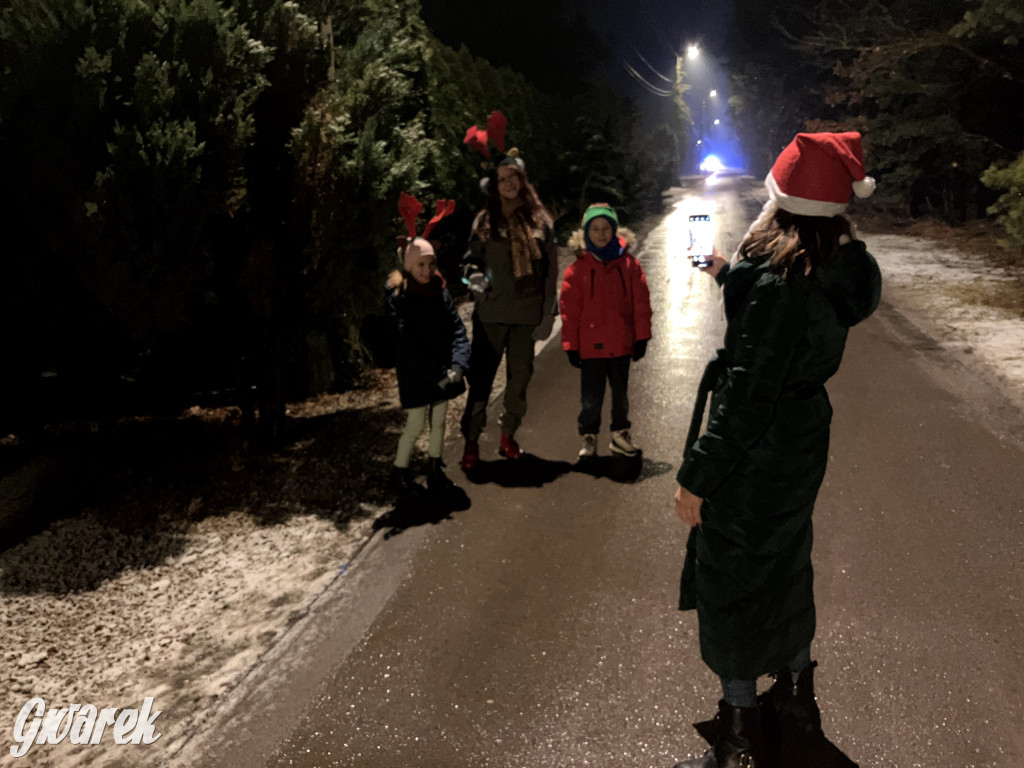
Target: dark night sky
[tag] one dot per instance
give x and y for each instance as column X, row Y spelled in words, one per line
column 560, row 45
column 565, row 41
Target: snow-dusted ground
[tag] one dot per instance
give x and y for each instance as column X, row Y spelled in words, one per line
column 967, row 305
column 189, row 629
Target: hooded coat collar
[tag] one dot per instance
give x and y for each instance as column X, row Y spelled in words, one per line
column 851, row 281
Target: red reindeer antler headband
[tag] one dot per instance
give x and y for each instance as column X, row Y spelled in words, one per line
column 410, row 208
column 477, row 137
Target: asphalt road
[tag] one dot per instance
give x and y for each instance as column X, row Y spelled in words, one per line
column 537, row 628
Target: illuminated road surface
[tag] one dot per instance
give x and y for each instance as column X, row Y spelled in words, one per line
column 537, row 629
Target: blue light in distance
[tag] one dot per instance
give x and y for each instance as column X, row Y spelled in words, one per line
column 711, row 164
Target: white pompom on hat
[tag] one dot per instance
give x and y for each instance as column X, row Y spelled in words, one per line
column 816, row 172
column 417, row 249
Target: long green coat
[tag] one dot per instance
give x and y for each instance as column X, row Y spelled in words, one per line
column 759, row 464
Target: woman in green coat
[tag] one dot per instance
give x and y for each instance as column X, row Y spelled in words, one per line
column 747, row 486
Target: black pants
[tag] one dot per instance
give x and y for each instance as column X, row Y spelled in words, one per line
column 593, row 374
column 490, row 342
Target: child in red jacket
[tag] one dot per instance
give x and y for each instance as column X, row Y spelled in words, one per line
column 606, row 323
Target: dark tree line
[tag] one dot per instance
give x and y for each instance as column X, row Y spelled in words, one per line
column 202, row 195
column 937, row 91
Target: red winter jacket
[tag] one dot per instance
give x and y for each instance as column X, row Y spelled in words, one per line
column 605, row 305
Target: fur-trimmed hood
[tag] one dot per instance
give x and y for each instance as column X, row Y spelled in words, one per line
column 578, row 244
column 400, row 281
column 395, row 279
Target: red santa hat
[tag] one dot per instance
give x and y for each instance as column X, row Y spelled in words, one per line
column 813, row 177
column 816, row 172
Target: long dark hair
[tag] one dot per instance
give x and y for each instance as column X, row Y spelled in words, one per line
column 792, row 243
column 538, row 214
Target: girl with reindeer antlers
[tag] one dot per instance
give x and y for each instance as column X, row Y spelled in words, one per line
column 511, row 269
column 432, row 346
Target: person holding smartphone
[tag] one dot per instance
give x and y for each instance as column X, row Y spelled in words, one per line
column 797, row 283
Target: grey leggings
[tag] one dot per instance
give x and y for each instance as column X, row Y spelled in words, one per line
column 415, row 419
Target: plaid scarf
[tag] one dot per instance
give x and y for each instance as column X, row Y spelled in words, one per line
column 522, row 240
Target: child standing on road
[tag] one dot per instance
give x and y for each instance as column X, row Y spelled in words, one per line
column 606, row 323
column 432, row 351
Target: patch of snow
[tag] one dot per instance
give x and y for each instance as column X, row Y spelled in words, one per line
column 956, row 294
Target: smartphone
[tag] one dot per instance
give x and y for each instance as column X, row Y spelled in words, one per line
column 702, row 240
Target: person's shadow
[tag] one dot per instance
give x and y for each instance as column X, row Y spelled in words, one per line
column 421, row 507
column 528, row 471
column 790, row 750
column 622, row 469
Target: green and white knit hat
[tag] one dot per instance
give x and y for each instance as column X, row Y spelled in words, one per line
column 600, row 209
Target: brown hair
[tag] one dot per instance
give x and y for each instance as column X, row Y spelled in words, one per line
column 794, row 243
column 538, row 213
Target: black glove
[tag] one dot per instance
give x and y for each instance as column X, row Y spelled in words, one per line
column 639, row 349
column 574, row 357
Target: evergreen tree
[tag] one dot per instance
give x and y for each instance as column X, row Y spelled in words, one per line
column 123, row 127
column 995, row 28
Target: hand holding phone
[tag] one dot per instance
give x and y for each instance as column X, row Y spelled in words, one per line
column 702, row 240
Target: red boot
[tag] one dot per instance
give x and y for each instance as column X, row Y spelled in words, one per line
column 470, row 455
column 509, row 448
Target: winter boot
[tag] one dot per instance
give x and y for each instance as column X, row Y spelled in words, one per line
column 622, row 444
column 793, row 704
column 792, row 717
column 738, row 740
column 589, row 449
column 509, row 448
column 470, row 455
column 402, row 480
column 437, row 480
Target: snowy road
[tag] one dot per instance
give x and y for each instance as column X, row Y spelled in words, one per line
column 537, row 628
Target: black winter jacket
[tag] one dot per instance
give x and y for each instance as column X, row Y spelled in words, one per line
column 429, row 337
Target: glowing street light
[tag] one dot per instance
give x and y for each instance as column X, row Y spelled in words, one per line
column 717, row 121
column 713, row 93
column 692, row 52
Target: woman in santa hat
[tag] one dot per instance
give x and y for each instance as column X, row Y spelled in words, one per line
column 797, row 283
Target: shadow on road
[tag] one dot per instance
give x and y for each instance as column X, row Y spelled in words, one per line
column 793, row 752
column 421, row 508
column 622, row 469
column 528, row 471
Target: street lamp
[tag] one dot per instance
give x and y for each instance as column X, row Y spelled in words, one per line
column 693, row 51
column 713, row 93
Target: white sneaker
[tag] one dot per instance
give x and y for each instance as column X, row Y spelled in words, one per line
column 622, row 445
column 589, row 449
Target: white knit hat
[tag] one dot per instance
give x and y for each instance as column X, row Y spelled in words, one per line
column 416, row 249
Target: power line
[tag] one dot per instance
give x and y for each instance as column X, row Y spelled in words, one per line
column 643, row 82
column 640, row 56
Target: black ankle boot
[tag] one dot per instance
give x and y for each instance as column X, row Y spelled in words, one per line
column 437, row 480
column 738, row 740
column 402, row 480
column 793, row 720
column 794, row 705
